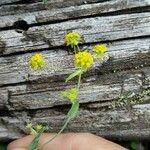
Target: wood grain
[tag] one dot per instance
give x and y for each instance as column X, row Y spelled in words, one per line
column 99, row 29
column 57, row 11
column 122, row 55
column 29, row 95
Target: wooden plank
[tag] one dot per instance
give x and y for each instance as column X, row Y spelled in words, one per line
column 114, row 124
column 2, row 2
column 104, row 90
column 14, row 2
column 37, row 13
column 99, row 29
column 59, row 4
column 27, row 95
column 123, row 55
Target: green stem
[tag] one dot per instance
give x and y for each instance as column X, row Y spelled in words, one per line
column 68, row 119
column 64, row 126
column 74, row 49
column 79, row 82
column 78, row 48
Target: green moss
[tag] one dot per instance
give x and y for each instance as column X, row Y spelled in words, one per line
column 130, row 99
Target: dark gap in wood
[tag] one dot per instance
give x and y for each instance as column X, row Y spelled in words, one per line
column 114, row 13
column 65, row 107
column 61, row 108
column 94, row 1
column 14, row 84
column 20, row 2
column 24, row 2
column 6, row 113
column 6, row 28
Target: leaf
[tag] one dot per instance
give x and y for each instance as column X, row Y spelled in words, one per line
column 34, row 143
column 3, row 146
column 76, row 73
column 73, row 111
column 133, row 145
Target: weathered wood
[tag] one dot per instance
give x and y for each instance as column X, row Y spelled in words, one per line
column 2, row 2
column 99, row 29
column 123, row 55
column 11, row 2
column 114, row 97
column 117, row 124
column 90, row 92
column 39, row 13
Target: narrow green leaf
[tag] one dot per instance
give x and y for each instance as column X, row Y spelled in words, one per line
column 76, row 73
column 3, row 146
column 133, row 145
column 73, row 111
column 34, row 143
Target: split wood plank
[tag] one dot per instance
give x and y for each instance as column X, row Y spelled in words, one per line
column 39, row 13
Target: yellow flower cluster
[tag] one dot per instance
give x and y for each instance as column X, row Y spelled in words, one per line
column 71, row 94
column 37, row 61
column 72, row 39
column 34, row 130
column 83, row 60
column 100, row 49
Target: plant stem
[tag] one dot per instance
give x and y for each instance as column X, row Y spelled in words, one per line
column 74, row 49
column 68, row 119
column 78, row 48
column 79, row 82
column 64, row 126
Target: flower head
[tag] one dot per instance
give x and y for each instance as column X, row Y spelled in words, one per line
column 83, row 60
column 71, row 94
column 31, row 128
column 37, row 61
column 72, row 39
column 100, row 49
column 29, row 125
column 38, row 127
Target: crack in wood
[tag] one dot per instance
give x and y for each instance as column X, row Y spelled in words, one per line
column 27, row 95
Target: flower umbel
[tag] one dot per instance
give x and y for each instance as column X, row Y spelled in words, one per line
column 83, row 60
column 29, row 125
column 37, row 61
column 72, row 39
column 34, row 130
column 71, row 94
column 38, row 127
column 100, row 49
column 31, row 129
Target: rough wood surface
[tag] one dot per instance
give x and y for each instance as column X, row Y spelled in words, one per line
column 25, row 95
column 99, row 29
column 55, row 11
column 15, row 68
